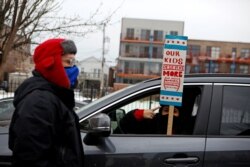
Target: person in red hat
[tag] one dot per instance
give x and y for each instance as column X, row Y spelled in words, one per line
column 44, row 129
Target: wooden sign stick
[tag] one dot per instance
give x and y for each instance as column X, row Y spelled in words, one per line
column 170, row 120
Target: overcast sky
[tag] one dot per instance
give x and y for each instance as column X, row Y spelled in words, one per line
column 220, row 20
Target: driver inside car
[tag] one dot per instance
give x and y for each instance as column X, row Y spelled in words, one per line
column 147, row 121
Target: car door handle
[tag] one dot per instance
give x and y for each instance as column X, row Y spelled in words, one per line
column 188, row 160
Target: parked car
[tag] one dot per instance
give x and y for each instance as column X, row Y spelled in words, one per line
column 7, row 109
column 4, row 94
column 214, row 129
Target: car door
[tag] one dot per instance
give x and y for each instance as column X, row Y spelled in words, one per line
column 5, row 152
column 228, row 142
column 184, row 149
column 6, row 111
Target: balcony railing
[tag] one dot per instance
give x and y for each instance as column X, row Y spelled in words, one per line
column 91, row 76
column 143, row 55
column 138, row 38
column 137, row 73
column 137, row 76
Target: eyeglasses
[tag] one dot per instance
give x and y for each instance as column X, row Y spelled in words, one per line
column 68, row 62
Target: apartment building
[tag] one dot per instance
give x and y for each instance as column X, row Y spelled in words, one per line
column 206, row 56
column 141, row 48
column 141, row 52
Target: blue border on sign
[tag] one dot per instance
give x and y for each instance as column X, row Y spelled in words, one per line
column 176, row 37
column 171, row 93
column 170, row 103
column 177, row 47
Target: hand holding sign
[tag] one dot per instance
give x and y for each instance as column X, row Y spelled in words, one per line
column 150, row 113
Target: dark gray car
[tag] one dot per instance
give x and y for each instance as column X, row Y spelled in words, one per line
column 213, row 126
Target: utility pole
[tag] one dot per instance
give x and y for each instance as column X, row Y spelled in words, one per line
column 102, row 63
column 104, row 24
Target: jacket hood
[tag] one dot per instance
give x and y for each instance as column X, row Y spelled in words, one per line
column 37, row 82
column 30, row 85
column 48, row 62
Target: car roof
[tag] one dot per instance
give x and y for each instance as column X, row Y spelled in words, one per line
column 77, row 101
column 213, row 78
column 99, row 104
column 6, row 98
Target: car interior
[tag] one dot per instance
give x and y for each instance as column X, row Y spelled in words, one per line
column 188, row 111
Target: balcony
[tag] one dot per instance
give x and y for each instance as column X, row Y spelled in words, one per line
column 137, row 38
column 137, row 76
column 91, row 76
column 142, row 55
column 130, row 73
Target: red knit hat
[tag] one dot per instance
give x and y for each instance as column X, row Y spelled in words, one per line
column 48, row 62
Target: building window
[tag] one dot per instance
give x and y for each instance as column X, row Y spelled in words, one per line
column 173, row 32
column 194, row 53
column 134, row 68
column 187, row 69
column 126, row 67
column 208, row 51
column 157, row 52
column 141, row 69
column 245, row 53
column 211, row 67
column 144, row 52
column 213, row 52
column 130, row 33
column 194, row 50
column 97, row 73
column 244, row 69
column 154, row 68
column 145, row 34
column 127, row 49
column 158, row 35
column 234, row 53
column 216, row 68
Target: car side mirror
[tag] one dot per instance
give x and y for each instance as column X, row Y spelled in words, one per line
column 99, row 126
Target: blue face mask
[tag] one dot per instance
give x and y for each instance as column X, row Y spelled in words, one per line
column 72, row 73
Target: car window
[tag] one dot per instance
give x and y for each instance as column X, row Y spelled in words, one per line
column 6, row 111
column 183, row 125
column 236, row 111
column 147, row 102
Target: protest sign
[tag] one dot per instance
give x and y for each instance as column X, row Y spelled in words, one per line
column 173, row 70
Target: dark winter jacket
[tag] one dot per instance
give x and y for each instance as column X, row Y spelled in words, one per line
column 44, row 130
column 157, row 125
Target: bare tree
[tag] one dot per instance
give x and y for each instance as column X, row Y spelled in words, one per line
column 22, row 21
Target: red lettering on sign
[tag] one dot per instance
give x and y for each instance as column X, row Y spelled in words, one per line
column 173, row 67
column 173, row 60
column 172, row 73
column 172, row 53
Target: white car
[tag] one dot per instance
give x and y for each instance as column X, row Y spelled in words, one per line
column 7, row 109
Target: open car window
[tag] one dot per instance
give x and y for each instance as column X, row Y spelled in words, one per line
column 184, row 124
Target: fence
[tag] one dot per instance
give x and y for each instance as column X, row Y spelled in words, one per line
column 84, row 94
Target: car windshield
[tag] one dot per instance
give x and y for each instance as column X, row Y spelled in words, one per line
column 96, row 102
